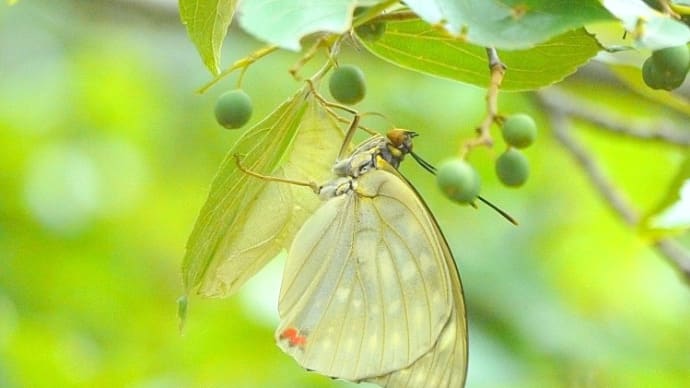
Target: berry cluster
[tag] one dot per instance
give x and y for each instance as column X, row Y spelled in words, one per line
column 460, row 181
column 455, row 177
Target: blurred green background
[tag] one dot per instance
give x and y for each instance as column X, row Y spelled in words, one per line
column 107, row 155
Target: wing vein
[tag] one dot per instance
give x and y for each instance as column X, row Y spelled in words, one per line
column 415, row 260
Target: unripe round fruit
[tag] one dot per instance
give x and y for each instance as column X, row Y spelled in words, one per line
column 651, row 76
column 675, row 60
column 666, row 68
column 233, row 109
column 512, row 168
column 458, row 180
column 347, row 84
column 519, row 130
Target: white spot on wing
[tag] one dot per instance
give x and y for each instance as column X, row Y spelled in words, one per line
column 342, row 294
column 409, row 271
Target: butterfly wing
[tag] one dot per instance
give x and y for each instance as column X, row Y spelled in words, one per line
column 367, row 286
column 445, row 365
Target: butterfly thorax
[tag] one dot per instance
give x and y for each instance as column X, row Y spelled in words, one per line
column 377, row 152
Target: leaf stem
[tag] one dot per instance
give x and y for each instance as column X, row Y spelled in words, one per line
column 668, row 9
column 483, row 138
column 373, row 13
column 239, row 64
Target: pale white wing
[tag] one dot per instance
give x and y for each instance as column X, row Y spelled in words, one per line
column 445, row 365
column 366, row 289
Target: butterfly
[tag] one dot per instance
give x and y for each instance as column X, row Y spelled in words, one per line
column 370, row 290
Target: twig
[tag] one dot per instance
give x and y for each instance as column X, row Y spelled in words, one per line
column 663, row 131
column 676, row 255
column 666, row 7
column 673, row 252
column 324, row 41
column 483, row 137
column 560, row 124
column 376, row 12
column 242, row 63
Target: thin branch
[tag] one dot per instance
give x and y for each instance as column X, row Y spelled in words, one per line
column 242, row 63
column 672, row 251
column 376, row 12
column 676, row 255
column 619, row 204
column 483, row 138
column 664, row 131
column 666, row 7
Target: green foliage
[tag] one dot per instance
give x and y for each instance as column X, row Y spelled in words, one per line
column 245, row 222
column 519, row 130
column 207, row 24
column 107, row 167
column 416, row 45
column 233, row 109
column 224, row 216
column 650, row 28
column 371, row 31
column 285, row 22
column 458, row 180
column 509, row 24
column 512, row 168
column 347, row 84
column 436, row 51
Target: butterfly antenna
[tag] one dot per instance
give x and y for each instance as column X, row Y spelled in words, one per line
column 498, row 210
column 426, row 165
column 429, row 167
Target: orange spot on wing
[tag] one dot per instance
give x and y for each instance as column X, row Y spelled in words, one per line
column 293, row 337
column 288, row 333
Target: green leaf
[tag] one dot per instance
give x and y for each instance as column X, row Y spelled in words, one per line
column 672, row 215
column 246, row 221
column 656, row 30
column 416, row 45
column 284, row 22
column 509, row 24
column 207, row 24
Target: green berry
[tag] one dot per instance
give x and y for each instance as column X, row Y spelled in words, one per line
column 519, row 130
column 458, row 180
column 512, row 168
column 673, row 59
column 347, row 84
column 233, row 109
column 651, row 76
column 666, row 68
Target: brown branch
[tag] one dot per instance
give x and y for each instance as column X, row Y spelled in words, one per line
column 664, row 131
column 618, row 203
column 675, row 254
column 666, row 7
column 483, row 137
